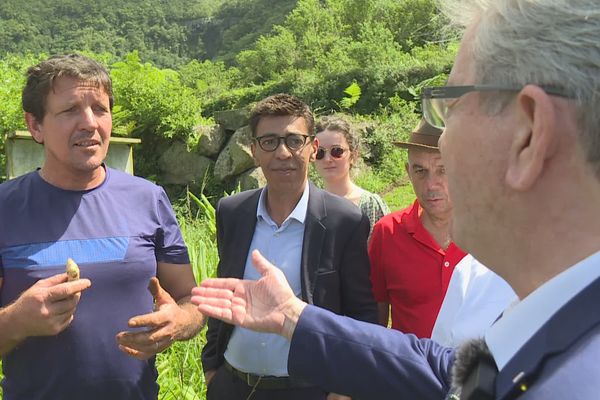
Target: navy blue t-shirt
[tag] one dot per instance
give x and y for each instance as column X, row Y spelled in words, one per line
column 116, row 233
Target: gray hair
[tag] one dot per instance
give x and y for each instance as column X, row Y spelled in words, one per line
column 543, row 42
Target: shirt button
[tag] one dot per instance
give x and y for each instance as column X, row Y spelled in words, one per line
column 263, row 344
column 446, row 264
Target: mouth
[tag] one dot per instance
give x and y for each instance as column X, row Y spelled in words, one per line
column 284, row 170
column 87, row 143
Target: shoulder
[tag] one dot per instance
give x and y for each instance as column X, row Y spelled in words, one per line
column 393, row 219
column 124, row 180
column 235, row 200
column 572, row 374
column 373, row 202
column 335, row 206
column 17, row 187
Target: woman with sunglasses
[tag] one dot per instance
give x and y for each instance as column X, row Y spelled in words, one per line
column 337, row 154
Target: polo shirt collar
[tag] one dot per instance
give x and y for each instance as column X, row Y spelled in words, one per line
column 414, row 226
column 413, row 223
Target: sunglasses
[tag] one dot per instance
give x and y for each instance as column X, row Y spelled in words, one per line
column 335, row 151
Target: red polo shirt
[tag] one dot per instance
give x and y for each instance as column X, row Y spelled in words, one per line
column 410, row 270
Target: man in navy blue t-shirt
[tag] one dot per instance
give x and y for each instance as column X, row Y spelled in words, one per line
column 96, row 337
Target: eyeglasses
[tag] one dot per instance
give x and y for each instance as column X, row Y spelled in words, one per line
column 335, row 151
column 434, row 100
column 293, row 141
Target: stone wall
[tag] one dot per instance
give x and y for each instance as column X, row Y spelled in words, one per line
column 223, row 150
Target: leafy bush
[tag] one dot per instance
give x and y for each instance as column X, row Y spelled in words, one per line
column 153, row 104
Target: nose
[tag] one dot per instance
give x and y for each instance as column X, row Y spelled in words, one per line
column 327, row 156
column 282, row 151
column 434, row 180
column 89, row 122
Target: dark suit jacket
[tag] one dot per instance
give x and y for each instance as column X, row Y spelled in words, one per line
column 560, row 361
column 335, row 264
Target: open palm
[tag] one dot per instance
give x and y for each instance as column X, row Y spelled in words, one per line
column 257, row 305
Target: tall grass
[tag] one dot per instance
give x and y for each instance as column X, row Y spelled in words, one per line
column 179, row 367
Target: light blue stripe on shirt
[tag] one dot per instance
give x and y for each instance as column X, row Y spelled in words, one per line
column 56, row 253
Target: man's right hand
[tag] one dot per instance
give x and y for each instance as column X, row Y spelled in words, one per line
column 266, row 305
column 45, row 309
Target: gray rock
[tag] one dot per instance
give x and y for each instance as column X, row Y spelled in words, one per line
column 211, row 139
column 179, row 166
column 251, row 179
column 232, row 119
column 236, row 157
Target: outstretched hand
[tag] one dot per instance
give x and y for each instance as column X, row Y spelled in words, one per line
column 266, row 305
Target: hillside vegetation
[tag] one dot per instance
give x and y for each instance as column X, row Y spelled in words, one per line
column 176, row 62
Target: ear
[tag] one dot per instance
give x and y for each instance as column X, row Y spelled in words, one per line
column 34, row 128
column 534, row 139
column 253, row 151
column 315, row 147
column 354, row 156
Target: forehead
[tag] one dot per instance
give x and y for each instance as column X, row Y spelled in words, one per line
column 463, row 70
column 330, row 138
column 281, row 125
column 66, row 86
column 424, row 158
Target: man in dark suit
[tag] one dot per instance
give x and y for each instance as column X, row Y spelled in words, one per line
column 521, row 148
column 318, row 239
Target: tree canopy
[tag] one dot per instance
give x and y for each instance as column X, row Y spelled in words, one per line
column 175, row 62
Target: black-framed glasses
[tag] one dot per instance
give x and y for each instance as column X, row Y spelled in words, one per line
column 434, row 100
column 293, row 141
column 335, row 151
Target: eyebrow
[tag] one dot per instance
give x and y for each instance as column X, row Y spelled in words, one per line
column 284, row 133
column 415, row 165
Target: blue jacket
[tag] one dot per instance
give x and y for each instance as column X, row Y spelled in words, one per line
column 370, row 362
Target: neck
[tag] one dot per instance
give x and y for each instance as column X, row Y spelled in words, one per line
column 345, row 188
column 71, row 180
column 281, row 204
column 538, row 242
column 438, row 226
column 341, row 187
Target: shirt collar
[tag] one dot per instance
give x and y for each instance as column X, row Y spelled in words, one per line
column 520, row 322
column 412, row 221
column 298, row 213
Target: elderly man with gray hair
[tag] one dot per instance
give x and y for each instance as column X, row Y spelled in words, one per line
column 521, row 147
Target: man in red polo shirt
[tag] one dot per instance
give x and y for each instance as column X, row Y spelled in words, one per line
column 412, row 255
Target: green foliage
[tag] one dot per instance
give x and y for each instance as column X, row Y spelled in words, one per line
column 207, row 210
column 154, row 105
column 399, row 197
column 12, row 79
column 323, row 47
column 352, row 95
column 164, row 32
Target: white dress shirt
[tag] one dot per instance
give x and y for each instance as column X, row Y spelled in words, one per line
column 475, row 298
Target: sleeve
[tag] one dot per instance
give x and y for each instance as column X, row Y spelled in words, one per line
column 377, row 363
column 170, row 247
column 356, row 291
column 211, row 359
column 377, row 272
